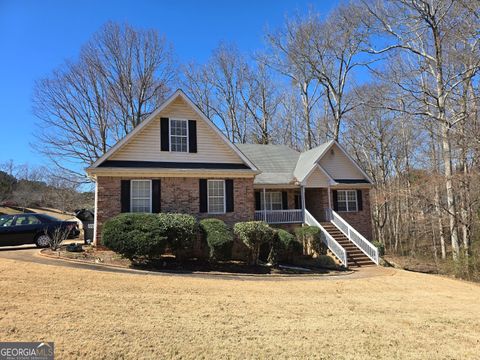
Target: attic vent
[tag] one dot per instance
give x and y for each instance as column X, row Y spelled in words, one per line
column 332, row 152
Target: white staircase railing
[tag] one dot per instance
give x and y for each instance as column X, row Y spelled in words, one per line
column 353, row 235
column 332, row 244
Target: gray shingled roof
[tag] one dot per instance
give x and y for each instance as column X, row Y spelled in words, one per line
column 307, row 160
column 281, row 165
column 276, row 162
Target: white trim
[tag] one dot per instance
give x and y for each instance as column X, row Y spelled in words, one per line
column 95, row 215
column 164, row 172
column 330, row 179
column 170, row 135
column 224, row 197
column 151, row 195
column 153, row 115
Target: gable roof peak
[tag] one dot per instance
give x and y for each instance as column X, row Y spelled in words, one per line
column 178, row 93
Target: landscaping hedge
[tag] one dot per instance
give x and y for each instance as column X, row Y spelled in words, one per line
column 180, row 231
column 380, row 246
column 148, row 235
column 134, row 236
column 253, row 234
column 218, row 237
column 310, row 237
column 289, row 245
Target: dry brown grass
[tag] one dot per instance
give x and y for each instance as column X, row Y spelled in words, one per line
column 397, row 316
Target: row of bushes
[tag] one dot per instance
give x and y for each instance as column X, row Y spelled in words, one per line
column 148, row 236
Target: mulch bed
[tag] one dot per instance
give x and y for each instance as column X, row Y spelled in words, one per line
column 168, row 263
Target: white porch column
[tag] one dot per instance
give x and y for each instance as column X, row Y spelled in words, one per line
column 303, row 201
column 328, row 212
column 95, row 214
column 264, row 205
column 329, row 197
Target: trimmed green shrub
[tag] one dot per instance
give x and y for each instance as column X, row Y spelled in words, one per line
column 310, row 237
column 148, row 235
column 180, row 231
column 326, row 261
column 289, row 245
column 218, row 237
column 134, row 236
column 253, row 234
column 380, row 246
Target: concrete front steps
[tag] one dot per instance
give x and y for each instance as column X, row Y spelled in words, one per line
column 355, row 256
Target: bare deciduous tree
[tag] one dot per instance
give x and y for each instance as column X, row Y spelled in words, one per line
column 426, row 34
column 121, row 76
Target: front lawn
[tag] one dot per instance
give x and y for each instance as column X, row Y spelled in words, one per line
column 89, row 314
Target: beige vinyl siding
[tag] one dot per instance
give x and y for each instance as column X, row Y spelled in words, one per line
column 317, row 179
column 339, row 166
column 145, row 146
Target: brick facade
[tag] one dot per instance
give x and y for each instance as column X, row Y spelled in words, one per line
column 361, row 220
column 316, row 201
column 177, row 195
column 182, row 195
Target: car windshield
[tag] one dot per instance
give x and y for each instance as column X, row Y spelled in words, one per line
column 6, row 220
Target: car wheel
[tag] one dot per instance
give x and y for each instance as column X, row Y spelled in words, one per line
column 42, row 241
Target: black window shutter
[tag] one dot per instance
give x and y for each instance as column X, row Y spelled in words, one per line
column 258, row 204
column 125, row 196
column 284, row 200
column 164, row 134
column 297, row 202
column 229, row 201
column 359, row 200
column 192, row 136
column 335, row 201
column 203, row 195
column 156, row 196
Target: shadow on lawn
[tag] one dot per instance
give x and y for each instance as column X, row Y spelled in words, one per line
column 167, row 264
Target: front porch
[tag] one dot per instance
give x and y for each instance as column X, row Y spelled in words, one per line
column 288, row 205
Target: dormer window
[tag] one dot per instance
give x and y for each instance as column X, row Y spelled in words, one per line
column 178, row 135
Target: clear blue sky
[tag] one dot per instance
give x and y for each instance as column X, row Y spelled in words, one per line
column 37, row 36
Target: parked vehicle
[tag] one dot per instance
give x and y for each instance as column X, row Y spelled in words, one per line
column 33, row 228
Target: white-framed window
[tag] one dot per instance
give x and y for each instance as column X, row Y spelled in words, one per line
column 178, row 135
column 216, row 196
column 347, row 200
column 141, row 196
column 273, row 200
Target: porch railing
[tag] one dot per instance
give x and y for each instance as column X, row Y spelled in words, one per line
column 332, row 244
column 291, row 216
column 353, row 235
